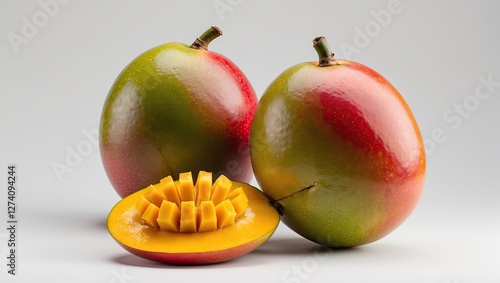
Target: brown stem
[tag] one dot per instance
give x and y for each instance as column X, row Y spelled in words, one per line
column 279, row 207
column 202, row 42
column 325, row 55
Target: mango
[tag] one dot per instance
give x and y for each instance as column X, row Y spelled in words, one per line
column 189, row 233
column 177, row 108
column 338, row 150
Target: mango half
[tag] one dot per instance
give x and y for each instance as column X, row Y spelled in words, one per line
column 178, row 222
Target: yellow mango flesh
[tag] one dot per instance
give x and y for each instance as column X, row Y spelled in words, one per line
column 181, row 206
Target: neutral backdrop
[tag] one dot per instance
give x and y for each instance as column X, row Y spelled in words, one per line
column 59, row 59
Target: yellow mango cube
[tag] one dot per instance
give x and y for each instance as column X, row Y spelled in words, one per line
column 203, row 186
column 154, row 196
column 188, row 217
column 150, row 215
column 169, row 190
column 186, row 187
column 169, row 216
column 240, row 204
column 206, row 216
column 142, row 204
column 220, row 189
column 234, row 193
column 225, row 214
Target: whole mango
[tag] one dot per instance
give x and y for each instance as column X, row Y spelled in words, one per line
column 338, row 150
column 177, row 108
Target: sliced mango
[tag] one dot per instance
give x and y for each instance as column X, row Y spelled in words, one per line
column 209, row 245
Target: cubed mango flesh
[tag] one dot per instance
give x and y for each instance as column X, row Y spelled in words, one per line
column 181, row 206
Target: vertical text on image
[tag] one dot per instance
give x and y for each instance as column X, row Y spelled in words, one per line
column 12, row 226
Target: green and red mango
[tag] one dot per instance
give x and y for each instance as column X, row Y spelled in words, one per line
column 176, row 108
column 339, row 151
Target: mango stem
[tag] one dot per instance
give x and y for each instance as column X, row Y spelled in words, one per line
column 279, row 207
column 325, row 55
column 210, row 34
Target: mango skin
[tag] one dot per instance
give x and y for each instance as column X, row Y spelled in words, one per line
column 198, row 258
column 176, row 109
column 345, row 133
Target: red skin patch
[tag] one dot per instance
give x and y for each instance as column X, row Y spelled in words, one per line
column 364, row 109
column 240, row 125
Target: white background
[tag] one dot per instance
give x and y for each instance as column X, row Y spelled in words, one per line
column 54, row 81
